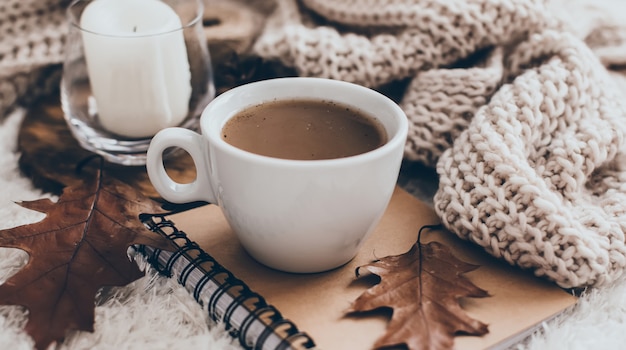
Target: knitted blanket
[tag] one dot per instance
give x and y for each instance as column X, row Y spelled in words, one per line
column 518, row 104
column 519, row 115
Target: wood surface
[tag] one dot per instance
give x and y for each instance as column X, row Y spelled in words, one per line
column 50, row 155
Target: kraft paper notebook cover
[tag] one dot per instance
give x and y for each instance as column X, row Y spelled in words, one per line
column 316, row 303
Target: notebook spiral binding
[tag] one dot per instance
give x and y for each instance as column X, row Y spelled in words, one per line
column 245, row 314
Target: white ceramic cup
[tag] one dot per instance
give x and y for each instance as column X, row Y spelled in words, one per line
column 292, row 215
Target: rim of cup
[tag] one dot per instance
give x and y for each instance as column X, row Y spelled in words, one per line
column 213, row 133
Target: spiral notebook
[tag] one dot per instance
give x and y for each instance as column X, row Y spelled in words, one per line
column 268, row 309
column 227, row 299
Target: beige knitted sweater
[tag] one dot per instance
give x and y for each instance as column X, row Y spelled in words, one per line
column 516, row 110
column 32, row 33
column 520, row 117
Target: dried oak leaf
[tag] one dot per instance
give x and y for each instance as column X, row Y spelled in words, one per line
column 422, row 287
column 80, row 246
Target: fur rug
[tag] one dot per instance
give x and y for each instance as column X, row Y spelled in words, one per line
column 156, row 313
column 152, row 313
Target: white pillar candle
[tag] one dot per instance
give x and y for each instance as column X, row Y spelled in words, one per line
column 137, row 65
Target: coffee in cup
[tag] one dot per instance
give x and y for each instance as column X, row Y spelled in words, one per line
column 298, row 200
column 304, row 129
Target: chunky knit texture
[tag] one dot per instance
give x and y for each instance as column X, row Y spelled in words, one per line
column 537, row 178
column 518, row 113
column 32, row 34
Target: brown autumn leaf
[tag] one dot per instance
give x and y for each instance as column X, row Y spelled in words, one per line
column 423, row 287
column 80, row 246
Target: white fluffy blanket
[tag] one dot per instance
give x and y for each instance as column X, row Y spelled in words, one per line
column 156, row 313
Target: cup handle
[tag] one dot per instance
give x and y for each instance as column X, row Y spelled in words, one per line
column 190, row 141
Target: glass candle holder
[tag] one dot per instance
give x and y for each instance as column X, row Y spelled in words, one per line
column 132, row 68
